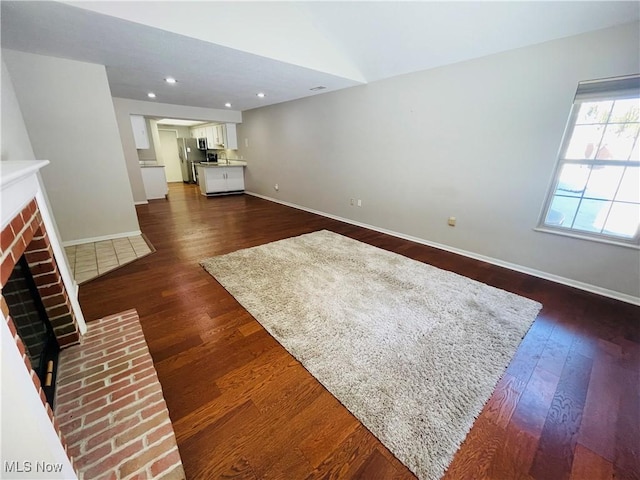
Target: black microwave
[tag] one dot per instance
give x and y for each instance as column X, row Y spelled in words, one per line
column 202, row 143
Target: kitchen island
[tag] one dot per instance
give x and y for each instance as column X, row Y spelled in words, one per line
column 222, row 178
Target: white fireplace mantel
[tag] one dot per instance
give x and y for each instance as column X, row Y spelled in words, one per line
column 18, row 186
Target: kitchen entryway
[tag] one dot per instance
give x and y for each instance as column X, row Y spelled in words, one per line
column 169, row 155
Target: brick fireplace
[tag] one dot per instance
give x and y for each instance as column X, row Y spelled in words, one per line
column 26, row 235
column 28, row 230
column 110, row 420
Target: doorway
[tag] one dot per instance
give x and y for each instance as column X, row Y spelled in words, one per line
column 169, row 148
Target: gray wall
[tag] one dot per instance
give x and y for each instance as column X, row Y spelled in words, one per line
column 15, row 139
column 21, row 412
column 477, row 140
column 69, row 115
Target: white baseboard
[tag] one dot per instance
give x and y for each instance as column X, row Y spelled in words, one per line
column 141, row 203
column 624, row 297
column 100, row 239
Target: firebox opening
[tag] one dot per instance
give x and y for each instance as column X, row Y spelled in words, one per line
column 33, row 326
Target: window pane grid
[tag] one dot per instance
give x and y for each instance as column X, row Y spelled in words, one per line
column 575, row 216
column 605, row 130
column 610, row 200
column 597, row 191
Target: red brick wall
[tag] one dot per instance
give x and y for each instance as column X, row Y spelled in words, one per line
column 27, row 235
column 110, row 405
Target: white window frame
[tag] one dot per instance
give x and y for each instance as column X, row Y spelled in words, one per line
column 596, row 90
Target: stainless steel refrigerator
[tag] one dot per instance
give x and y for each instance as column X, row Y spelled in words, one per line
column 189, row 156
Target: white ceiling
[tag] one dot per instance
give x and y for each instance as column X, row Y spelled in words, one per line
column 228, row 51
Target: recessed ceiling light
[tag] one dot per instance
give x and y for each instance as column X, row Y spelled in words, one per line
column 319, row 87
column 261, row 95
column 170, row 80
column 151, row 95
column 228, row 105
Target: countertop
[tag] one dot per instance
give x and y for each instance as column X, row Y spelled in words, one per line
column 229, row 163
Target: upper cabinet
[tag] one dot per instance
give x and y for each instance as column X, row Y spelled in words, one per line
column 218, row 136
column 232, row 137
column 211, row 137
column 140, row 134
column 198, row 132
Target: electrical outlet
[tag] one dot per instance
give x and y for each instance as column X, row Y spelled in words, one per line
column 359, row 202
column 352, row 202
column 452, row 221
column 246, row 142
column 276, row 187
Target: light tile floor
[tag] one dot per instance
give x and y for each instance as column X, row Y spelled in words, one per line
column 90, row 260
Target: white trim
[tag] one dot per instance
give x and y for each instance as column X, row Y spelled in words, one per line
column 576, row 234
column 80, row 241
column 18, row 186
column 14, row 171
column 141, row 203
column 624, row 297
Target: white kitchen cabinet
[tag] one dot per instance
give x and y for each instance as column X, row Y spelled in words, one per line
column 198, row 132
column 155, row 182
column 220, row 136
column 216, row 180
column 235, row 178
column 210, row 136
column 231, row 141
column 140, row 134
column 212, row 180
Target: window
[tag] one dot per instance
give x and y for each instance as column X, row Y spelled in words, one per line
column 596, row 189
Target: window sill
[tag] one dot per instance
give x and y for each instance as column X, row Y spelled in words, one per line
column 574, row 234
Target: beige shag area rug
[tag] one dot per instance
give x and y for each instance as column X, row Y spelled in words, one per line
column 414, row 352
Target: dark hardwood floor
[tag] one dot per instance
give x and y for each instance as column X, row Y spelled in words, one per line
column 568, row 406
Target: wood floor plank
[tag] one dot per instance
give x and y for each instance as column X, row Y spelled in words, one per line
column 475, row 456
column 286, row 464
column 347, row 460
column 284, row 440
column 560, row 432
column 515, row 455
column 627, row 447
column 589, row 465
column 376, row 467
column 533, row 406
column 500, row 407
column 554, row 355
column 232, row 389
column 327, row 435
column 601, row 409
column 218, row 448
column 202, row 417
